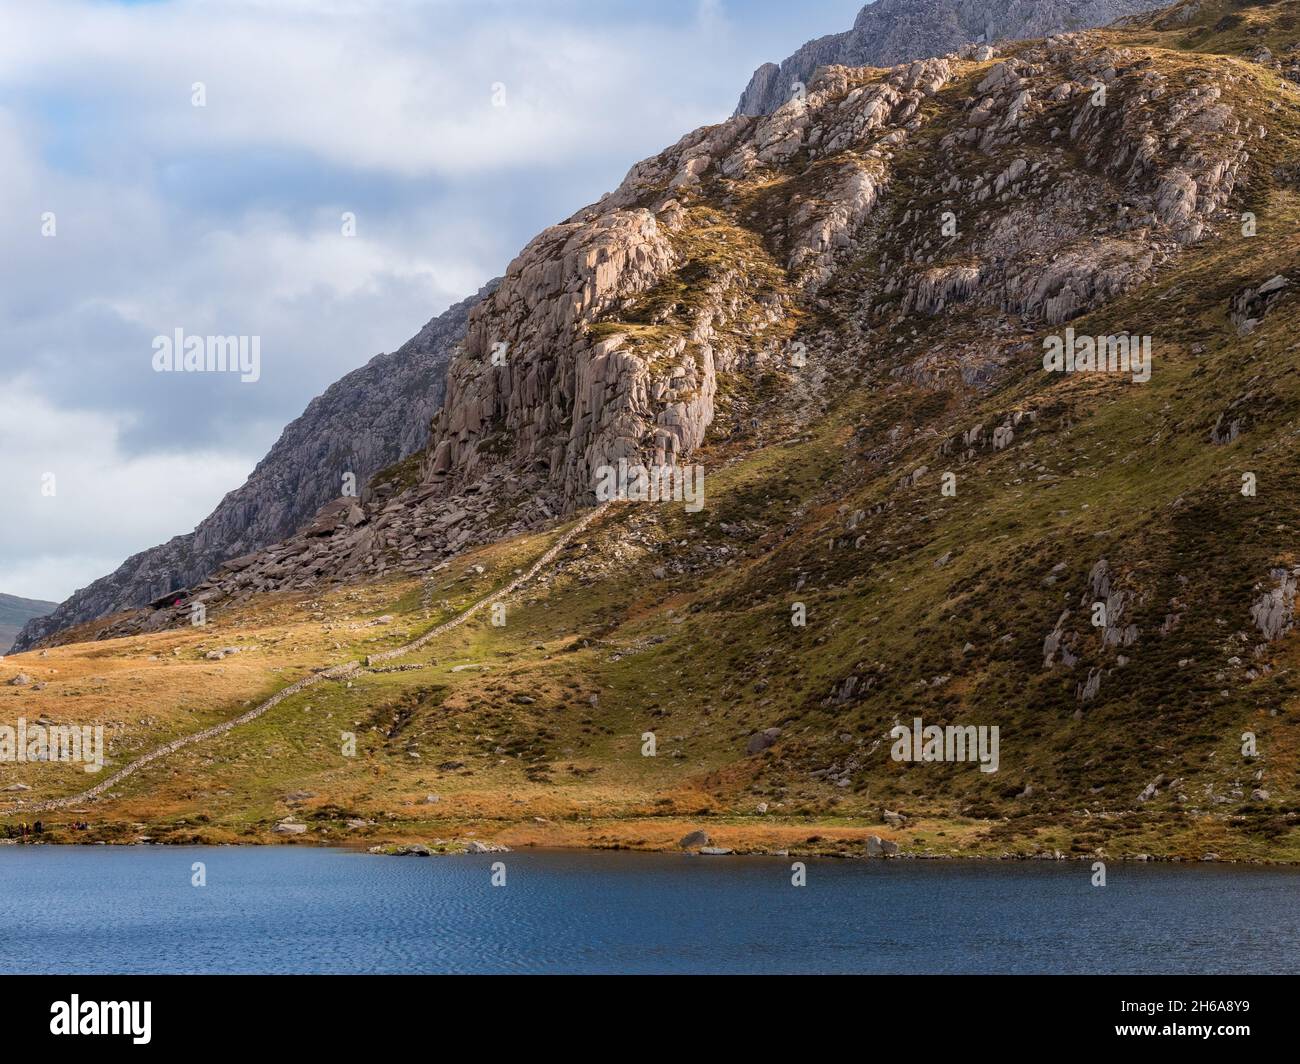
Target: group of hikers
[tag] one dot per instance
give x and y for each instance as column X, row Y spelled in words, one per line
column 24, row 829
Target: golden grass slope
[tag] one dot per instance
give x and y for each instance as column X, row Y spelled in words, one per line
column 927, row 605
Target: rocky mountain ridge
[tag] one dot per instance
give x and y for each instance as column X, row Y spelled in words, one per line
column 374, row 418
column 889, row 32
column 368, row 420
column 283, row 494
column 1074, row 170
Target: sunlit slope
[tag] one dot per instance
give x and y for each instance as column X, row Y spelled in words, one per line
column 941, row 514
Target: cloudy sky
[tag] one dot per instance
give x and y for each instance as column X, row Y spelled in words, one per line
column 127, row 212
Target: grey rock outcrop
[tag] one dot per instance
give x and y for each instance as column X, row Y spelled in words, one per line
column 1274, row 612
column 629, row 331
column 878, row 847
column 889, row 32
column 571, row 391
column 1252, row 304
column 763, row 740
column 373, row 417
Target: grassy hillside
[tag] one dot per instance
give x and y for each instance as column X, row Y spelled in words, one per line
column 966, row 607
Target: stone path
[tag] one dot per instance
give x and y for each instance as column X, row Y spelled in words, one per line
column 337, row 672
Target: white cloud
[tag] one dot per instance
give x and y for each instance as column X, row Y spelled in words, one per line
column 352, row 91
column 105, row 506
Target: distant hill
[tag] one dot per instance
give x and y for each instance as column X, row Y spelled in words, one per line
column 16, row 612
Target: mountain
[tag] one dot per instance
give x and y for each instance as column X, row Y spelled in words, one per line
column 371, row 418
column 988, row 364
column 16, row 612
column 888, row 32
column 376, row 417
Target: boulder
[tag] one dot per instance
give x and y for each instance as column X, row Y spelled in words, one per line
column 762, row 740
column 878, row 847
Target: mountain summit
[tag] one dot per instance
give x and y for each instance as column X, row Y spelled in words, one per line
column 888, row 32
column 379, row 414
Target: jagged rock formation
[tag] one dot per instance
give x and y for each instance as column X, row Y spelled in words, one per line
column 626, row 317
column 579, row 392
column 1274, row 613
column 889, row 32
column 1019, row 191
column 368, row 420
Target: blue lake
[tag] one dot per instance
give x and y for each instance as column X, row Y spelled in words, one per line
column 302, row 910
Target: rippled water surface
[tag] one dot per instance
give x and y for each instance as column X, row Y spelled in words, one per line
column 295, row 909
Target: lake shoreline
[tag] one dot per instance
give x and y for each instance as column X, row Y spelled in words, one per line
column 461, row 847
column 447, row 827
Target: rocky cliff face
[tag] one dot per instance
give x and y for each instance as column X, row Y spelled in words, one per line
column 368, row 420
column 618, row 330
column 889, row 32
column 1013, row 192
column 612, row 330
